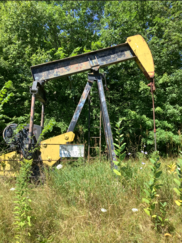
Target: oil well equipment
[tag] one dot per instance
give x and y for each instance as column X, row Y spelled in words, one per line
column 50, row 151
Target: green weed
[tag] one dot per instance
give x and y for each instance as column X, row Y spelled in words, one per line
column 22, row 206
column 178, row 181
column 152, row 193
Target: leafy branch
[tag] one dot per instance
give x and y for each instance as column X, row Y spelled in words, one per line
column 151, row 190
column 120, row 146
column 179, row 183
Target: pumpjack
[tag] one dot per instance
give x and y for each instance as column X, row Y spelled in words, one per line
column 23, row 143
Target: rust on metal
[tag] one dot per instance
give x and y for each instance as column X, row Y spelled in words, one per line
column 31, row 120
column 152, row 89
column 83, row 62
column 100, row 132
column 89, row 126
column 42, row 117
column 38, row 89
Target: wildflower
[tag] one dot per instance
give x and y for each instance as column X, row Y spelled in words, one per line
column 134, row 210
column 145, row 152
column 143, row 163
column 141, row 151
column 179, row 168
column 59, row 166
column 12, row 189
column 103, row 210
column 129, row 153
column 140, row 168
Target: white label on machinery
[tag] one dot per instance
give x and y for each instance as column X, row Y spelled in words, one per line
column 71, row 151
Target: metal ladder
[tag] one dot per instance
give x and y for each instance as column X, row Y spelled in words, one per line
column 89, row 147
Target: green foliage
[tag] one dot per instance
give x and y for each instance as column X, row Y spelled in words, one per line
column 120, row 146
column 60, row 53
column 152, row 193
column 48, row 127
column 4, row 98
column 75, row 52
column 178, row 182
column 22, row 206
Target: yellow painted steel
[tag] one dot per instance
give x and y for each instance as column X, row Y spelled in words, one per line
column 143, row 54
column 49, row 148
column 9, row 164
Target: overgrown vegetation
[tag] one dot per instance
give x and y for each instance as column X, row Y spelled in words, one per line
column 67, row 208
column 22, row 208
column 156, row 208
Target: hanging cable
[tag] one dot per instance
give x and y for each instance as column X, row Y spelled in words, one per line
column 152, row 89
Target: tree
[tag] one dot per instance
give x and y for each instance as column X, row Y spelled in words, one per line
column 36, row 32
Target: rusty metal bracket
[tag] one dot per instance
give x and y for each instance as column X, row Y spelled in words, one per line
column 90, row 81
column 152, row 85
column 94, row 67
column 36, row 85
column 38, row 89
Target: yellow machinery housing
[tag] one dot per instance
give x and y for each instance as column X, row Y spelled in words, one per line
column 49, row 150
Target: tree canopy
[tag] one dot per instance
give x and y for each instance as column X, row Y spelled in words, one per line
column 33, row 32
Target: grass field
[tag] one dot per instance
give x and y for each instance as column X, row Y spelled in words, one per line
column 67, row 207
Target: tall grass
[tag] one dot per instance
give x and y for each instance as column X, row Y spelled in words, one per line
column 67, row 207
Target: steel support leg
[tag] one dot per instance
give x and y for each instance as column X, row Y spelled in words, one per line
column 88, row 127
column 100, row 133
column 42, row 118
column 31, row 121
column 106, row 122
column 80, row 106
